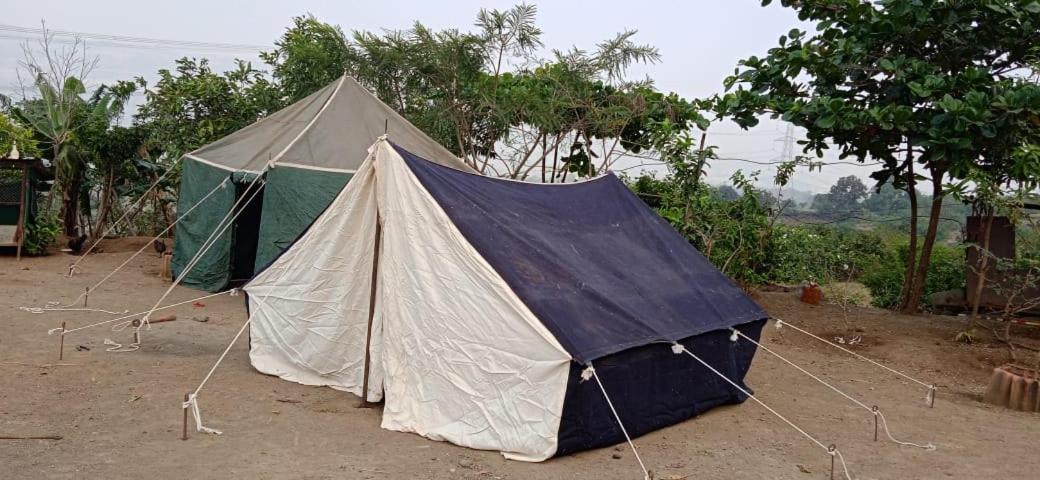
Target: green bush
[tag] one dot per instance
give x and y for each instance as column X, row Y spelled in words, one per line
column 885, row 279
column 822, row 254
column 40, row 233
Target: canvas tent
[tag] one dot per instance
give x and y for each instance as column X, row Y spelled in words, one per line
column 305, row 152
column 479, row 303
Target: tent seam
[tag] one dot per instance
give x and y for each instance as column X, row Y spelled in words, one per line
column 307, row 128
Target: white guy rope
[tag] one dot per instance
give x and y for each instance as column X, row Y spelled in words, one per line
column 119, row 348
column 209, row 243
column 931, row 387
column 678, row 348
column 873, row 410
column 590, row 371
column 126, row 262
column 306, row 128
column 39, row 310
column 129, row 209
column 125, row 317
column 193, row 398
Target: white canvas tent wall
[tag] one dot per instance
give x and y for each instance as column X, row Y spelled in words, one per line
column 485, row 299
column 306, row 153
column 459, row 356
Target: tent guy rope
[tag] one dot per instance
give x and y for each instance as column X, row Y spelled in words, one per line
column 193, row 398
column 57, row 307
column 929, row 397
column 678, row 348
column 64, row 332
column 875, row 411
column 210, row 242
column 590, row 371
column 75, row 265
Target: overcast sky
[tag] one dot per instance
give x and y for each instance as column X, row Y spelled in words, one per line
column 700, row 42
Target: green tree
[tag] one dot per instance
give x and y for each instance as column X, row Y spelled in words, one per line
column 483, row 95
column 308, row 56
column 192, row 105
column 58, row 111
column 727, row 192
column 929, row 89
column 11, row 133
column 843, row 198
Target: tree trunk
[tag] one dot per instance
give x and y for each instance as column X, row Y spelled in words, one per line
column 911, row 260
column 105, row 202
column 70, row 203
column 983, row 263
column 917, row 289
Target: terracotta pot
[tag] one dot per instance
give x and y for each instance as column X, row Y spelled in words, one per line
column 1014, row 387
column 812, row 294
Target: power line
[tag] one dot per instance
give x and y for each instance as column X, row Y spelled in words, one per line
column 867, row 219
column 23, row 33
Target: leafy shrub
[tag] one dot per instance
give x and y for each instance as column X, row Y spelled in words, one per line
column 40, row 233
column 822, row 254
column 730, row 233
column 739, row 238
column 847, row 294
column 885, row 279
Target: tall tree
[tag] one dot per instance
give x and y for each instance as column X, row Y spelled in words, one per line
column 55, row 105
column 485, row 95
column 927, row 88
column 308, row 56
column 193, row 105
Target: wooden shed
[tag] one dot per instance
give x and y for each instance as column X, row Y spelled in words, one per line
column 21, row 179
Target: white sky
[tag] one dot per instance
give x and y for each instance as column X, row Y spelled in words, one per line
column 700, row 42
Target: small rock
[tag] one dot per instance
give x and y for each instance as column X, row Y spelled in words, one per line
column 803, row 469
column 466, row 463
column 202, row 319
column 82, row 348
column 616, row 455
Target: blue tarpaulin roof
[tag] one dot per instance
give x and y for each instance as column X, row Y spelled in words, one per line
column 599, row 268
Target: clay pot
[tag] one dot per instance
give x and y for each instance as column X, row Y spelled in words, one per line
column 1014, row 387
column 812, row 294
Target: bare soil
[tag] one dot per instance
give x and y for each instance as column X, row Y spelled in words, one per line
column 119, row 414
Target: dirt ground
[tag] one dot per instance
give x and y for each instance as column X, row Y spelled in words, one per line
column 119, row 414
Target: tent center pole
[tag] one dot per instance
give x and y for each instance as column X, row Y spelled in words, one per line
column 371, row 314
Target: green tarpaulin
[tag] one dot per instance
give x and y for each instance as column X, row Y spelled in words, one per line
column 306, row 152
column 293, row 198
column 211, row 272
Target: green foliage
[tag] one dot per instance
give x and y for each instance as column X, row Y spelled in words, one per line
column 570, row 116
column 941, row 75
column 736, row 233
column 193, row 105
column 946, row 271
column 820, row 253
column 929, row 89
column 13, row 133
column 309, row 55
column 40, row 233
column 728, row 233
column 843, row 197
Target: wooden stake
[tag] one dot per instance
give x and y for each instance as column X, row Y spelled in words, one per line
column 371, row 316
column 61, row 343
column 86, row 294
column 875, row 410
column 831, row 449
column 184, row 425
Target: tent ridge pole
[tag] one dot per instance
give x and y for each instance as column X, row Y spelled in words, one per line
column 371, row 313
